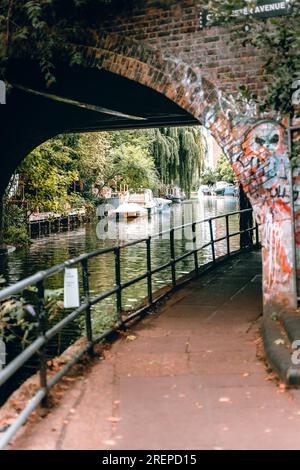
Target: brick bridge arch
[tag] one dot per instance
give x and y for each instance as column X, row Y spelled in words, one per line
column 256, row 146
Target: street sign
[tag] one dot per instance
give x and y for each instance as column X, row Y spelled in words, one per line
column 264, row 9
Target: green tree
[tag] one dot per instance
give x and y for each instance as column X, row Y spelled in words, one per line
column 132, row 166
column 224, row 171
column 64, row 171
column 179, row 155
column 209, row 177
column 46, row 175
column 91, row 162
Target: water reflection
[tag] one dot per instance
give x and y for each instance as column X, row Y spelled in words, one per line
column 55, row 248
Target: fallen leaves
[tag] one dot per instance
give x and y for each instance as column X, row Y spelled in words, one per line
column 113, row 419
column 130, row 338
column 198, row 405
column 224, row 400
column 282, row 387
column 109, row 442
column 278, row 341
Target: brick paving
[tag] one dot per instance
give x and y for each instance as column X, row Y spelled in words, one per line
column 188, row 378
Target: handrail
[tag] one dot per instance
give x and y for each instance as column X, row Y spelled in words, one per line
column 40, row 275
column 44, row 336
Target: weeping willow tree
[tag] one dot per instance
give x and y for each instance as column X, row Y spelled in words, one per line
column 179, row 154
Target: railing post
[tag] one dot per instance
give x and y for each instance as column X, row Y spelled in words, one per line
column 86, row 292
column 118, row 283
column 195, row 248
column 172, row 253
column 212, row 241
column 256, row 234
column 149, row 271
column 245, row 220
column 227, row 235
column 42, row 326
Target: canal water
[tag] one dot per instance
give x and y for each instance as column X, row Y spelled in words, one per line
column 55, row 248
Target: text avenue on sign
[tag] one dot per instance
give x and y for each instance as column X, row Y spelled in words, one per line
column 265, row 9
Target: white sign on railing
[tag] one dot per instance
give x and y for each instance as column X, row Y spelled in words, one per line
column 2, row 92
column 71, row 288
column 2, row 354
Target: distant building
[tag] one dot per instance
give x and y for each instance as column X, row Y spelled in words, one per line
column 214, row 151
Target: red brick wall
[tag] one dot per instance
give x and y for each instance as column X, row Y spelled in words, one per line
column 173, row 27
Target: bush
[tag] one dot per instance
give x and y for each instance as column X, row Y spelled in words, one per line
column 17, row 236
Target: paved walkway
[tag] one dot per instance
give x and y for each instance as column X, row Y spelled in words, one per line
column 186, row 378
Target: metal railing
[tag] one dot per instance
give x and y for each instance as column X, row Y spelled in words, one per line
column 46, row 334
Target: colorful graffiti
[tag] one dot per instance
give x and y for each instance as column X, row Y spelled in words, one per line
column 263, row 168
column 296, row 190
column 265, row 173
column 259, row 156
column 258, row 151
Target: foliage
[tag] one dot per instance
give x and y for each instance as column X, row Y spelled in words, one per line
column 19, row 314
column 132, row 166
column 209, row 177
column 89, row 162
column 46, row 175
column 179, row 155
column 67, row 170
column 17, row 236
column 277, row 41
column 40, row 29
column 224, row 171
column 17, row 319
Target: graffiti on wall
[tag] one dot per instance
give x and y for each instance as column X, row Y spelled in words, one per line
column 258, row 152
column 296, row 188
column 264, row 171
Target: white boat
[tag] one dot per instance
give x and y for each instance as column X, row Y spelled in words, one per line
column 144, row 199
column 220, row 187
column 162, row 203
column 130, row 210
column 176, row 194
column 204, row 190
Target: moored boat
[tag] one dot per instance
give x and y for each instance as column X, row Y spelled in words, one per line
column 145, row 199
column 130, row 210
column 162, row 203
